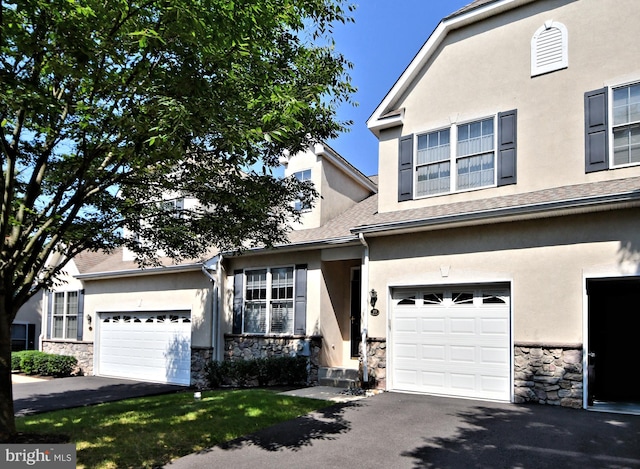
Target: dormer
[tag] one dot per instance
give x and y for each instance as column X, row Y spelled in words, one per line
column 339, row 184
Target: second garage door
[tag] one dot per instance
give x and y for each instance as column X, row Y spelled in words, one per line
column 453, row 341
column 149, row 346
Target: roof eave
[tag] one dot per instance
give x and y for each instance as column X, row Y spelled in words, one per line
column 521, row 212
column 340, row 241
column 376, row 121
column 172, row 269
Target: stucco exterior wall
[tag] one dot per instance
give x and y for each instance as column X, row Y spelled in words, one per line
column 186, row 291
column 314, row 280
column 339, row 191
column 485, row 68
column 544, row 261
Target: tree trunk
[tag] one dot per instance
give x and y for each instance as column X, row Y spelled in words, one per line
column 7, row 418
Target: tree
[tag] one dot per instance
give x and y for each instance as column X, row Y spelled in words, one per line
column 107, row 105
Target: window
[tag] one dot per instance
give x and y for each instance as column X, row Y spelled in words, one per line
column 22, row 336
column 612, row 134
column 302, row 176
column 475, row 156
column 65, row 315
column 474, row 159
column 465, row 156
column 269, row 301
column 626, row 125
column 433, row 163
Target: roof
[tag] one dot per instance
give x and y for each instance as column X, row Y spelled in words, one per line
column 100, row 264
column 387, row 114
column 469, row 7
column 556, row 201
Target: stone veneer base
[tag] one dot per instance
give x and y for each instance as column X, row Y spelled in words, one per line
column 83, row 351
column 248, row 347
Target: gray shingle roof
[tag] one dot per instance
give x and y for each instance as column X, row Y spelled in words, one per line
column 471, row 6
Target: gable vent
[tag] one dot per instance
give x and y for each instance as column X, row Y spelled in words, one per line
column 549, row 51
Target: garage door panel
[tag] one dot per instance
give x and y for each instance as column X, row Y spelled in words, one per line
column 460, row 349
column 146, row 346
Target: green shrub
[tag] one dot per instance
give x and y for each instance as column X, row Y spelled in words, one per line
column 61, row 365
column 29, row 360
column 34, row 362
column 261, row 371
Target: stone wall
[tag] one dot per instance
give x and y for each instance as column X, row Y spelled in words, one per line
column 247, row 347
column 377, row 362
column 83, row 351
column 548, row 375
column 200, row 356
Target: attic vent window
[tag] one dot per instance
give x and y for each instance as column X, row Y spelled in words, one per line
column 549, row 48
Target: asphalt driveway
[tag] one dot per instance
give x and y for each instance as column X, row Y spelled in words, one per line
column 394, row 430
column 63, row 393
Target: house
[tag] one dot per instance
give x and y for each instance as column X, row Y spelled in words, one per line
column 505, row 247
column 496, row 255
column 499, row 258
column 153, row 324
column 25, row 329
column 165, row 323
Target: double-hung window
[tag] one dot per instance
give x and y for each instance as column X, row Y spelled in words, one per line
column 626, row 125
column 612, row 127
column 475, row 155
column 65, row 315
column 269, row 301
column 302, row 176
column 472, row 155
column 433, row 163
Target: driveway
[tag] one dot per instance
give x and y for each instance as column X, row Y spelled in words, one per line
column 62, row 393
column 412, row 431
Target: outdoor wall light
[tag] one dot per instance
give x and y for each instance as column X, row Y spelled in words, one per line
column 373, row 300
column 374, row 297
column 89, row 319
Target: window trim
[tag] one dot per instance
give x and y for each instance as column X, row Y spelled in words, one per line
column 454, row 157
column 611, row 126
column 65, row 314
column 297, row 201
column 269, row 299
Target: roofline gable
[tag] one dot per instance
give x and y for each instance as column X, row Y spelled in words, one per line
column 463, row 17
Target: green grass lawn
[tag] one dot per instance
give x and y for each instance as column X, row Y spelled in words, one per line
column 151, row 431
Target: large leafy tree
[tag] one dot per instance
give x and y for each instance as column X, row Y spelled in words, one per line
column 106, row 106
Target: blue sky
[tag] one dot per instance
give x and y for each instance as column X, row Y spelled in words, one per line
column 385, row 37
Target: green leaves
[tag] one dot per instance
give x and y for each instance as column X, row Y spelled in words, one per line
column 108, row 105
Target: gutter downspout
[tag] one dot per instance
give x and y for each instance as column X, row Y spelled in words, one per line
column 214, row 303
column 364, row 292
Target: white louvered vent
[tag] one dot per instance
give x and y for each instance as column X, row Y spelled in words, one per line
column 549, row 51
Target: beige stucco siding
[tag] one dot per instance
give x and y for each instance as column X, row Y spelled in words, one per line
column 314, row 278
column 339, row 191
column 485, row 68
column 188, row 291
column 544, row 261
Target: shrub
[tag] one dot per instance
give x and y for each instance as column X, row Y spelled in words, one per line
column 34, row 362
column 261, row 371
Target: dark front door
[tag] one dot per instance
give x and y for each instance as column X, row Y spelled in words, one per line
column 614, row 322
column 356, row 338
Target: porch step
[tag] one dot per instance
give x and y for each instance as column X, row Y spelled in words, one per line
column 337, row 377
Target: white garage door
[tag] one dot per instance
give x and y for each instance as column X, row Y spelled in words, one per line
column 150, row 346
column 454, row 342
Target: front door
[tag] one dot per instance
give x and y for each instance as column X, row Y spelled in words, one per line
column 614, row 321
column 356, row 313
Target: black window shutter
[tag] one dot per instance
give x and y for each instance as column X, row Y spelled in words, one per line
column 80, row 313
column 49, row 313
column 405, row 168
column 596, row 114
column 507, row 151
column 300, row 309
column 238, row 301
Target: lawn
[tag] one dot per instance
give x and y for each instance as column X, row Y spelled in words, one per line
column 151, row 431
